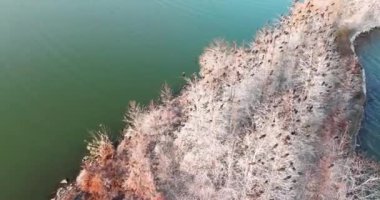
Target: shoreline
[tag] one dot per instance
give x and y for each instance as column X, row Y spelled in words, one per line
column 355, row 36
column 271, row 120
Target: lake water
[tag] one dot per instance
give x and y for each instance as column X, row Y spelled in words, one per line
column 368, row 50
column 68, row 66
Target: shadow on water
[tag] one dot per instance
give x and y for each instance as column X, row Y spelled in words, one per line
column 368, row 50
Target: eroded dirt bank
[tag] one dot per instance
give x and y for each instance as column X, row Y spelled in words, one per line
column 271, row 120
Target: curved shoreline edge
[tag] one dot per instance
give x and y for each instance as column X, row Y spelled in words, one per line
column 353, row 39
column 271, row 120
column 364, row 86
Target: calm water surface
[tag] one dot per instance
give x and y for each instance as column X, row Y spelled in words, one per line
column 67, row 66
column 368, row 50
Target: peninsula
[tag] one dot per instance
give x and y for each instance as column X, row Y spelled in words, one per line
column 274, row 119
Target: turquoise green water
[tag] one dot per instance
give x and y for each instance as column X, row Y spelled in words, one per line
column 68, row 66
column 368, row 50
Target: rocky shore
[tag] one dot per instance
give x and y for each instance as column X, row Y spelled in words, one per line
column 274, row 119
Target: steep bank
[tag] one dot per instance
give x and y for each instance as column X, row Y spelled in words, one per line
column 271, row 120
